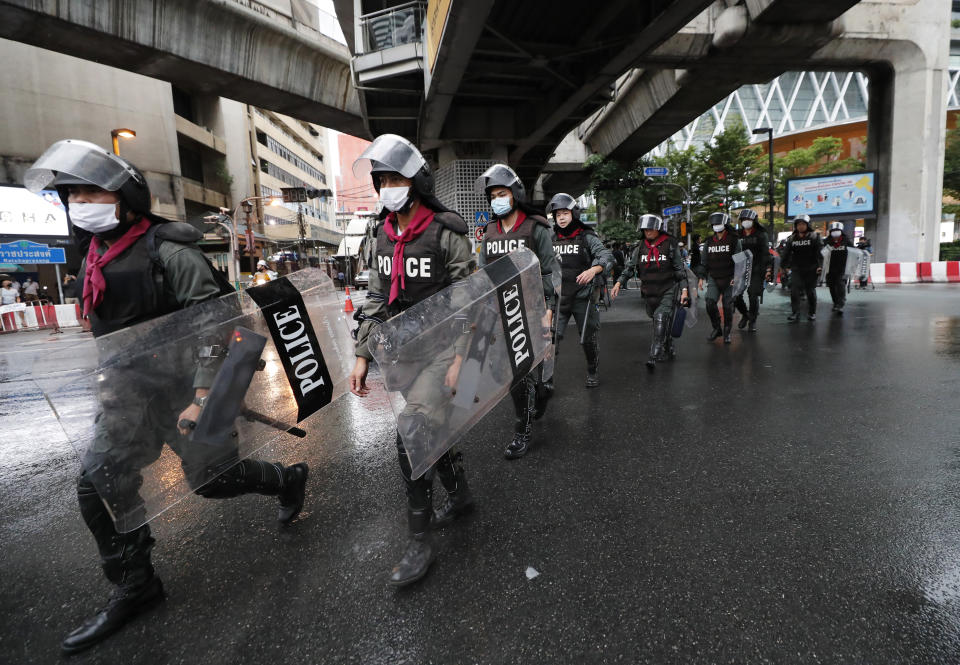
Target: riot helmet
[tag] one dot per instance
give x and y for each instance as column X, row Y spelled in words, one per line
column 718, row 221
column 500, row 175
column 390, row 153
column 650, row 223
column 74, row 162
column 564, row 202
column 801, row 218
column 835, row 229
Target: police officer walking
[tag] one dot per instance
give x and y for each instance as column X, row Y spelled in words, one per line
column 421, row 248
column 717, row 269
column 517, row 224
column 583, row 259
column 657, row 261
column 801, row 255
column 753, row 237
column 837, row 243
column 138, row 267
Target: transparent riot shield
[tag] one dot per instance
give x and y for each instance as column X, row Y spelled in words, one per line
column 493, row 320
column 742, row 269
column 854, row 266
column 774, row 271
column 268, row 357
column 693, row 292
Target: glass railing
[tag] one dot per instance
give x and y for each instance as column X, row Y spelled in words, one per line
column 392, row 27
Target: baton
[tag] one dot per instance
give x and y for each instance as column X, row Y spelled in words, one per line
column 255, row 416
column 586, row 318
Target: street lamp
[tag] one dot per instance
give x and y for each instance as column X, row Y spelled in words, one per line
column 769, row 132
column 122, row 132
column 274, row 201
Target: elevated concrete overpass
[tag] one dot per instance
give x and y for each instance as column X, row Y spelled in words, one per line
column 240, row 49
column 902, row 45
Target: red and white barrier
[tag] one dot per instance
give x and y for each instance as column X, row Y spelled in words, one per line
column 35, row 317
column 909, row 273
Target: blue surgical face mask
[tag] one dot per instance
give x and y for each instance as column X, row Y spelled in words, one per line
column 501, row 206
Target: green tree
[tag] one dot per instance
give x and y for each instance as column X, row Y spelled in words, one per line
column 620, row 196
column 951, row 168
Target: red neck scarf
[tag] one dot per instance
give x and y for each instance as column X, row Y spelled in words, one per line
column 94, row 283
column 653, row 250
column 837, row 241
column 421, row 220
column 520, row 217
column 572, row 231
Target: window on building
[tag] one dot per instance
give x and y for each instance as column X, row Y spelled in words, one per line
column 183, row 104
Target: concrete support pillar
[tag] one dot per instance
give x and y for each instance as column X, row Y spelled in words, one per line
column 906, row 131
column 459, row 167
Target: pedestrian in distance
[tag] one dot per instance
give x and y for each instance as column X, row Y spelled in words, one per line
column 583, row 260
column 801, row 255
column 70, row 296
column 656, row 260
column 753, row 237
column 717, row 270
column 30, row 293
column 138, row 267
column 518, row 224
column 837, row 243
column 421, row 249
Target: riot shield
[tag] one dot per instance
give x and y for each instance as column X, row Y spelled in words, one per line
column 854, row 266
column 269, row 356
column 550, row 360
column 742, row 269
column 493, row 320
column 694, row 294
column 774, row 271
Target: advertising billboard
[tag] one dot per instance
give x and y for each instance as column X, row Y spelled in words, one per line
column 24, row 214
column 835, row 196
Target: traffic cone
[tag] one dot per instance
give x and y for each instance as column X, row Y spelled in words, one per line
column 348, row 307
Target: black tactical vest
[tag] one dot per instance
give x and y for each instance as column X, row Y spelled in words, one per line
column 804, row 254
column 838, row 258
column 756, row 242
column 497, row 243
column 575, row 257
column 656, row 279
column 718, row 257
column 425, row 271
column 134, row 291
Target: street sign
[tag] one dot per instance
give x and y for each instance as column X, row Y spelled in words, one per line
column 478, row 233
column 481, row 218
column 655, row 170
column 25, row 251
column 294, row 194
column 672, row 210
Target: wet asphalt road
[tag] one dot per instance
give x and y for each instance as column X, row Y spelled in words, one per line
column 790, row 498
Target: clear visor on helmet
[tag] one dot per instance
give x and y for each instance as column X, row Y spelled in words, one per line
column 393, row 152
column 498, row 175
column 718, row 218
column 73, row 161
column 836, row 226
column 561, row 202
column 649, row 222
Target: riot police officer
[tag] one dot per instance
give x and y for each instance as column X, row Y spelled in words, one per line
column 518, row 224
column 138, row 267
column 836, row 279
column 801, row 255
column 717, row 269
column 753, row 237
column 657, row 261
column 421, row 248
column 583, row 260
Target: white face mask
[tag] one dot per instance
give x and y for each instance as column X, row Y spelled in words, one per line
column 747, row 224
column 718, row 228
column 394, row 198
column 836, row 233
column 94, row 217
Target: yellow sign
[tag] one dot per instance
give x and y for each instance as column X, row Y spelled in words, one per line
column 437, row 13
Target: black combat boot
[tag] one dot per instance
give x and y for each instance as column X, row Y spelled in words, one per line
column 753, row 323
column 793, row 317
column 715, row 320
column 126, row 563
column 293, row 492
column 591, row 349
column 419, row 554
column 744, row 314
column 658, row 346
column 520, row 444
column 726, row 333
column 459, row 498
